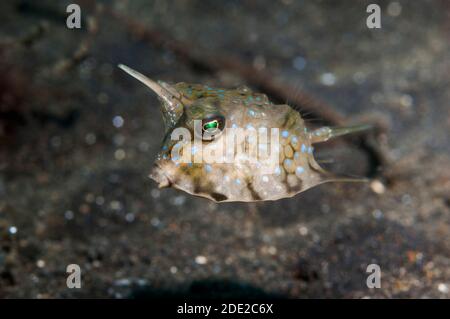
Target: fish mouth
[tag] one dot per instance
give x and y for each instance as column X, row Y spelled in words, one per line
column 158, row 175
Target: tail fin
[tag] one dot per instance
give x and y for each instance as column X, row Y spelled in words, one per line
column 323, row 134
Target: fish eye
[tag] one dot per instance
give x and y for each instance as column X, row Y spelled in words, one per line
column 213, row 126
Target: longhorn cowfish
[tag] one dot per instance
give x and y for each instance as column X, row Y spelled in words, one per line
column 206, row 113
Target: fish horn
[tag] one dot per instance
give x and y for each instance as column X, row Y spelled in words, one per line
column 167, row 93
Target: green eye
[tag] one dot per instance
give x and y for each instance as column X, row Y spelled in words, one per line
column 212, row 125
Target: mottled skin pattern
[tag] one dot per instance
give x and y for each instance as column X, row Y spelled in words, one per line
column 297, row 169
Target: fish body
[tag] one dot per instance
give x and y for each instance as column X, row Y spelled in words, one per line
column 269, row 157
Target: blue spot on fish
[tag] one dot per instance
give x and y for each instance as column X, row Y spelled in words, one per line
column 278, row 170
column 299, row 170
column 304, row 148
column 287, row 162
column 208, row 168
column 285, row 134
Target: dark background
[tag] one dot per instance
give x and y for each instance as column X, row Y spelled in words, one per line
column 74, row 187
